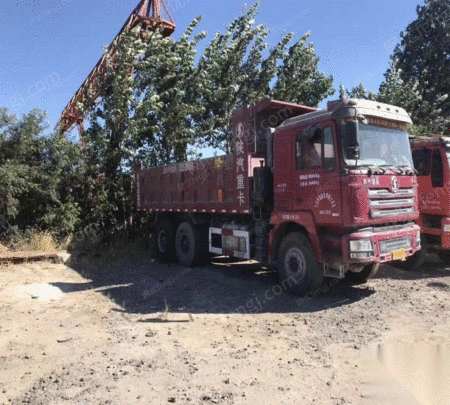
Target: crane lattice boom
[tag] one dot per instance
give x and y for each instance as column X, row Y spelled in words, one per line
column 148, row 13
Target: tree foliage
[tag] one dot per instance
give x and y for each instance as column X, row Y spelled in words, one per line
column 167, row 100
column 417, row 78
column 35, row 176
column 240, row 69
column 423, row 63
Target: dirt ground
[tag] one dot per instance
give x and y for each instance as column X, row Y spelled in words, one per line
column 142, row 332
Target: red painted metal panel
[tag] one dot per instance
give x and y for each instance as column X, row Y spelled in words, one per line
column 221, row 184
column 204, row 186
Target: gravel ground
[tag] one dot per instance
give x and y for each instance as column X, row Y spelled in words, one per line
column 142, row 332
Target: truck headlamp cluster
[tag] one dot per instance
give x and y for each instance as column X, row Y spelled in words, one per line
column 418, row 240
column 361, row 249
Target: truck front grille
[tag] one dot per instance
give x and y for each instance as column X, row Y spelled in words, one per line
column 392, row 213
column 384, row 203
column 392, row 203
column 388, row 246
column 380, row 193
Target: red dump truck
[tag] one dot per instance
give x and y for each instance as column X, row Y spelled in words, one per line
column 311, row 192
column 431, row 159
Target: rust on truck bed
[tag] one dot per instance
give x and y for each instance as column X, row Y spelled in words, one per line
column 221, row 184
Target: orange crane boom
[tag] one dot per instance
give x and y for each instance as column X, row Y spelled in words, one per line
column 148, row 13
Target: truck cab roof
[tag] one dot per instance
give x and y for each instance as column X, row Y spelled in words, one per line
column 362, row 106
column 432, row 140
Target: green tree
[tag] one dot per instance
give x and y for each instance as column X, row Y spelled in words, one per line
column 157, row 103
column 357, row 92
column 168, row 98
column 238, row 73
column 109, row 153
column 34, row 173
column 423, row 63
column 299, row 80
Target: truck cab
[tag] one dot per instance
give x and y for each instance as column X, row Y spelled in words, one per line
column 344, row 178
column 431, row 159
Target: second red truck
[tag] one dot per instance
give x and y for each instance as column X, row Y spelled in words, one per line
column 431, row 159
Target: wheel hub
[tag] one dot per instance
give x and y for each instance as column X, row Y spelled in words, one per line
column 295, row 263
column 162, row 242
column 184, row 244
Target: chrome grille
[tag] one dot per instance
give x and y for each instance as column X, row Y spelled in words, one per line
column 389, row 213
column 392, row 203
column 385, row 203
column 388, row 246
column 381, row 192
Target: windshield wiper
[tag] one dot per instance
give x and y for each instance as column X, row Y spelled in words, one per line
column 395, row 169
column 372, row 169
column 409, row 170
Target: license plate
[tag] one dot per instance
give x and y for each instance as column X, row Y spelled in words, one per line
column 399, row 254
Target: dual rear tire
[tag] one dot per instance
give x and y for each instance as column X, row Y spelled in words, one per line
column 188, row 243
column 191, row 244
column 165, row 240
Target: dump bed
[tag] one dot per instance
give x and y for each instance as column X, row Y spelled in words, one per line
column 221, row 184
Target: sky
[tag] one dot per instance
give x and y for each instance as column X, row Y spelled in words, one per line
column 45, row 56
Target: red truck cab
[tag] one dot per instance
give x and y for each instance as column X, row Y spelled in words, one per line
column 431, row 159
column 345, row 175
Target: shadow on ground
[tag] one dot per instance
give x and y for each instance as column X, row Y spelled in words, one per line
column 144, row 286
column 433, row 267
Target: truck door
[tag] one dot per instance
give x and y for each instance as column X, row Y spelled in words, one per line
column 433, row 196
column 316, row 183
column 283, row 171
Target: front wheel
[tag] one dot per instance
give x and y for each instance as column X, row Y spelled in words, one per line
column 365, row 274
column 298, row 269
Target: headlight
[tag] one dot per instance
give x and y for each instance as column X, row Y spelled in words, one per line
column 361, row 249
column 362, row 245
column 418, row 242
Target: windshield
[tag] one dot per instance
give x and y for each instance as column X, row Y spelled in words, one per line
column 382, row 147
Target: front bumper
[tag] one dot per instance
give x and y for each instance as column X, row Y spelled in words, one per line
column 445, row 239
column 387, row 245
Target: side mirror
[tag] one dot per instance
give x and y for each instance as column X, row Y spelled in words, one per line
column 309, row 132
column 351, row 133
column 351, row 140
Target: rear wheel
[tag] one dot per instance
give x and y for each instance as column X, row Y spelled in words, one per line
column 298, row 269
column 444, row 255
column 365, row 274
column 165, row 240
column 415, row 262
column 191, row 244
